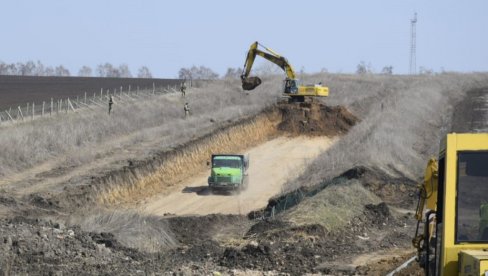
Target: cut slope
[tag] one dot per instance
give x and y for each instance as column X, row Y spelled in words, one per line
column 271, row 164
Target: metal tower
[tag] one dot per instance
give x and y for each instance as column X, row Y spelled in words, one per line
column 413, row 45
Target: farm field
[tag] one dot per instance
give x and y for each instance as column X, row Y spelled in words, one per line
column 332, row 183
column 19, row 90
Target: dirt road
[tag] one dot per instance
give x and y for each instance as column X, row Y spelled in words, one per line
column 271, row 165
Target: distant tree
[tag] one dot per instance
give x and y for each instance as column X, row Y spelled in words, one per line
column 60, row 71
column 324, row 70
column 185, row 73
column 39, row 69
column 21, row 69
column 106, row 70
column 425, row 71
column 144, row 72
column 4, row 68
column 197, row 73
column 387, row 70
column 49, row 71
column 267, row 69
column 233, row 73
column 364, row 68
column 85, row 71
column 123, row 71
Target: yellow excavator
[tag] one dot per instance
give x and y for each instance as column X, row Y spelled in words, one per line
column 453, row 208
column 292, row 88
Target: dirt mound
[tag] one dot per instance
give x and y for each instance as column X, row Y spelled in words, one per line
column 194, row 229
column 378, row 214
column 32, row 245
column 315, row 119
column 390, row 189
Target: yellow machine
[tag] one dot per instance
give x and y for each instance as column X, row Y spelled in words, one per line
column 292, row 88
column 454, row 196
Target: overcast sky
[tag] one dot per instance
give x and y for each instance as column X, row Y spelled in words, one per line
column 168, row 35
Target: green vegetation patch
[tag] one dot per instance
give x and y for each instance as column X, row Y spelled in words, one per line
column 333, row 207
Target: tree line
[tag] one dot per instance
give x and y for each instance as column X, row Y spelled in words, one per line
column 107, row 70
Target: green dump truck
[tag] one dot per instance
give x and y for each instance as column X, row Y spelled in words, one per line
column 228, row 172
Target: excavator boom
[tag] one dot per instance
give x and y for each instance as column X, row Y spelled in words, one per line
column 292, row 90
column 249, row 83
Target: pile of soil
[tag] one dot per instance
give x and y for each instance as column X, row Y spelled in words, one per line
column 192, row 230
column 29, row 245
column 378, row 214
column 311, row 248
column 315, row 119
column 391, row 190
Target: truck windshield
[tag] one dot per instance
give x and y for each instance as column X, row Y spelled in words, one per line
column 229, row 163
column 472, row 197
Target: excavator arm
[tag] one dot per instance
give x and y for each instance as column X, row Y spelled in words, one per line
column 249, row 83
column 427, row 204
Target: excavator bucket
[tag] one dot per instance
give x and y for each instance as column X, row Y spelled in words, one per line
column 250, row 83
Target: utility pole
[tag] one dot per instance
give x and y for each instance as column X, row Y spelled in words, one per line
column 413, row 45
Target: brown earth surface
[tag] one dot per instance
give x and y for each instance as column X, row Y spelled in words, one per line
column 271, row 164
column 42, row 239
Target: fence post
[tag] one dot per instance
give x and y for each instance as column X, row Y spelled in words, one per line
column 20, row 112
column 154, row 88
column 129, row 91
column 33, row 110
column 8, row 113
column 52, row 106
column 27, row 110
column 70, row 105
column 101, row 94
column 85, row 97
column 43, row 103
column 60, row 105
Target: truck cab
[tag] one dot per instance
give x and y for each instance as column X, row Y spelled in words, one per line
column 228, row 172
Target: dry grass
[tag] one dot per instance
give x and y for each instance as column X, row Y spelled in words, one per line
column 192, row 159
column 403, row 118
column 78, row 138
column 333, row 207
column 150, row 234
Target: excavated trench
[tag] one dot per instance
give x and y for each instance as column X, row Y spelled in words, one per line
column 140, row 180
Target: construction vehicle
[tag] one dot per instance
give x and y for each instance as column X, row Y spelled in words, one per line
column 453, row 208
column 292, row 89
column 228, row 172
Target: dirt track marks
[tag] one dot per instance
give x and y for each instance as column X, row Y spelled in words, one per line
column 271, row 165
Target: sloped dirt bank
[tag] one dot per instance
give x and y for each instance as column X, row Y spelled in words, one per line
column 315, row 119
column 144, row 178
column 203, row 244
column 389, row 189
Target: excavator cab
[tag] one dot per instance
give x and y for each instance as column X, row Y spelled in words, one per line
column 290, row 86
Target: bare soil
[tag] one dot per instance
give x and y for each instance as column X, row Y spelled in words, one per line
column 39, row 239
column 19, row 90
column 271, row 165
column 315, row 119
